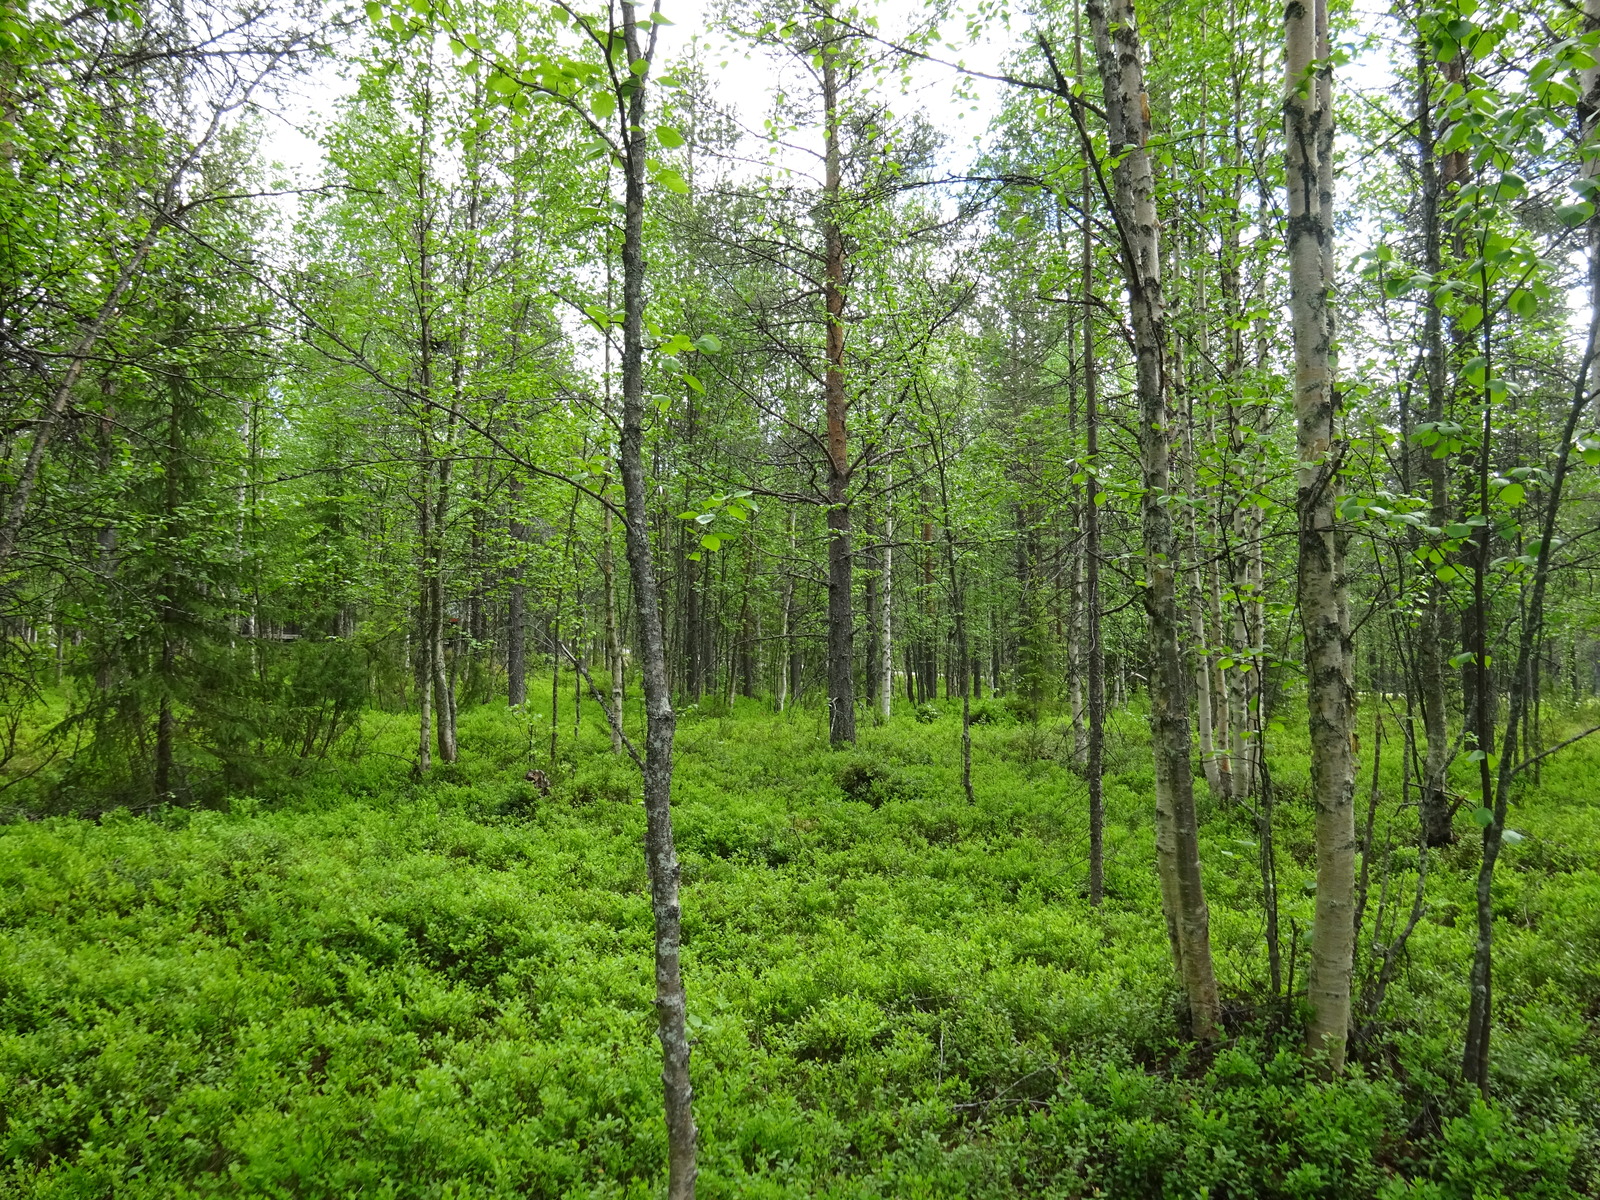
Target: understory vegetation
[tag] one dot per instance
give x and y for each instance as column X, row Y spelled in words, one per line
column 831, row 598
column 380, row 987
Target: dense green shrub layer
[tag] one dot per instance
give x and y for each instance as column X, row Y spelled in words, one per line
column 443, row 990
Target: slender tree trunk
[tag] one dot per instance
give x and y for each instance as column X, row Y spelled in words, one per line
column 1094, row 646
column 958, row 606
column 1480, row 1014
column 1308, row 119
column 1430, row 652
column 1209, row 759
column 660, row 853
column 1117, row 46
column 424, row 615
column 106, row 537
column 786, row 606
column 694, row 655
column 443, row 691
column 841, row 615
column 517, row 606
column 614, row 660
column 886, row 645
column 166, row 719
column 869, row 602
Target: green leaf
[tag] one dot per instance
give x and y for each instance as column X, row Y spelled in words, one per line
column 657, row 19
column 711, row 542
column 695, row 384
column 1523, row 303
column 374, row 11
column 673, row 182
column 707, row 343
column 1511, row 837
column 1513, row 494
column 669, row 137
column 1483, row 816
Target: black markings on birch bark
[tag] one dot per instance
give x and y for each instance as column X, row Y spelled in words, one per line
column 1308, row 129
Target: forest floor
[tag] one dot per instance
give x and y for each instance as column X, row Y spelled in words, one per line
column 443, row 989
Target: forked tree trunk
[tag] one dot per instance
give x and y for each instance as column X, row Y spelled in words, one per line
column 1308, row 123
column 661, row 855
column 1121, row 65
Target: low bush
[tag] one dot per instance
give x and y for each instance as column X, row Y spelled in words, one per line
column 374, row 986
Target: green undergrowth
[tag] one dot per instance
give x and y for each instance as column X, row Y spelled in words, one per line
column 378, row 987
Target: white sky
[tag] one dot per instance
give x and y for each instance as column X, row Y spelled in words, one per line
column 744, row 84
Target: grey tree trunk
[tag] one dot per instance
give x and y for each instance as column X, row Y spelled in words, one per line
column 786, row 606
column 1204, row 700
column 1308, row 125
column 1430, row 650
column 1094, row 647
column 424, row 683
column 517, row 608
column 661, row 855
column 614, row 660
column 1121, row 65
column 886, row 643
column 841, row 614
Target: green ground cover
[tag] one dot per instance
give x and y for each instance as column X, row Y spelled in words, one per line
column 384, row 988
